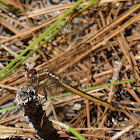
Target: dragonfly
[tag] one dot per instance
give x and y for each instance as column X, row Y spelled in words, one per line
column 51, row 81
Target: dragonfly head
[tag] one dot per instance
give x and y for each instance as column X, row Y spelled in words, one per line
column 31, row 76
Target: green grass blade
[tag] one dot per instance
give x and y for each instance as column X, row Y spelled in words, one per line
column 68, row 128
column 110, row 84
column 75, row 133
column 96, row 87
column 88, row 89
column 44, row 34
column 8, row 108
column 21, row 61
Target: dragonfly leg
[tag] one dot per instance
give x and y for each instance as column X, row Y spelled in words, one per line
column 49, row 97
column 53, row 108
column 45, row 92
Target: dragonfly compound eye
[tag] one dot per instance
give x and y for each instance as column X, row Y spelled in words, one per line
column 31, row 76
